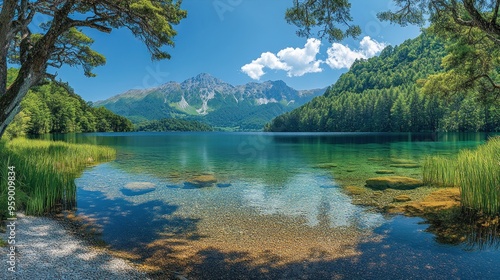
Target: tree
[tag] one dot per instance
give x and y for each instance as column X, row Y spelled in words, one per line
column 63, row 40
column 471, row 27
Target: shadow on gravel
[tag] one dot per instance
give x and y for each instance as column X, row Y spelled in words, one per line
column 130, row 227
column 406, row 251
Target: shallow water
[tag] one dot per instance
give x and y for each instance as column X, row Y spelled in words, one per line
column 272, row 206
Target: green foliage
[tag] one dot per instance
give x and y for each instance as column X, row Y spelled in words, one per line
column 471, row 29
column 52, row 108
column 382, row 94
column 470, row 66
column 45, row 172
column 326, row 14
column 476, row 172
column 173, row 125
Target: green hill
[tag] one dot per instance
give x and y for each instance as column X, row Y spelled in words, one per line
column 381, row 95
column 54, row 108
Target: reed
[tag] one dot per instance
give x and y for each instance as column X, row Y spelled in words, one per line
column 45, row 172
column 439, row 171
column 476, row 172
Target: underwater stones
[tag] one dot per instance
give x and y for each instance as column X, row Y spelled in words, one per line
column 400, row 160
column 137, row 188
column 375, row 159
column 384, row 171
column 326, row 165
column 393, row 182
column 402, row 198
column 201, row 181
column 405, row 165
column 355, row 190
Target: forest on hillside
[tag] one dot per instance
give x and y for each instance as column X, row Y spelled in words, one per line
column 171, row 124
column 382, row 94
column 55, row 108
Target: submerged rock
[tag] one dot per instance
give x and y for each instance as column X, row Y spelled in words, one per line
column 400, row 160
column 375, row 159
column 326, row 165
column 355, row 190
column 402, row 198
column 138, row 188
column 393, row 182
column 384, row 171
column 405, row 165
column 202, row 181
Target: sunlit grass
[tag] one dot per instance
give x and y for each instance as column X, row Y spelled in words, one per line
column 45, row 172
column 476, row 172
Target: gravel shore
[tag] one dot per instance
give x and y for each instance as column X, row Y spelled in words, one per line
column 45, row 250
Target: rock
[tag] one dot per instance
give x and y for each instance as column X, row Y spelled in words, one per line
column 402, row 198
column 384, row 171
column 355, row 190
column 202, row 181
column 400, row 160
column 326, row 165
column 138, row 188
column 350, row 170
column 405, row 165
column 393, row 182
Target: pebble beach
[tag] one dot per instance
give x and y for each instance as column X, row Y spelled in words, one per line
column 45, row 250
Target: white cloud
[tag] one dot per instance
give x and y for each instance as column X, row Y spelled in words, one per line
column 299, row 61
column 296, row 62
column 340, row 56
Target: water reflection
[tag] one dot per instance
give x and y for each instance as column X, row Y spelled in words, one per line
column 316, row 199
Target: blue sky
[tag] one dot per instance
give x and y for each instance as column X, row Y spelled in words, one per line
column 222, row 36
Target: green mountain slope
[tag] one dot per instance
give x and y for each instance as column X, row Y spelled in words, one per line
column 207, row 99
column 381, row 94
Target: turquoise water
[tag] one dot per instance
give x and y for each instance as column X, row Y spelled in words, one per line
column 267, row 196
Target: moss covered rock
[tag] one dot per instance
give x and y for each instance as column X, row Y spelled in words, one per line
column 138, row 188
column 326, row 165
column 201, row 181
column 355, row 190
column 384, row 171
column 393, row 182
column 405, row 165
column 402, row 198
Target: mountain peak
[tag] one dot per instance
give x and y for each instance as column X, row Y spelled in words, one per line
column 202, row 80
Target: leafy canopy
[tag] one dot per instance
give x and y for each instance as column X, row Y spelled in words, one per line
column 471, row 28
column 61, row 40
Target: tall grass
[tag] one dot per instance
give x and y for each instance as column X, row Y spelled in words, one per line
column 45, row 172
column 439, row 171
column 476, row 172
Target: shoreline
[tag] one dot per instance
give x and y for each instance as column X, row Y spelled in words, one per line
column 62, row 245
column 46, row 249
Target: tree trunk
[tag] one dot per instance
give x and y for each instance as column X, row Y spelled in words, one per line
column 33, row 70
column 6, row 17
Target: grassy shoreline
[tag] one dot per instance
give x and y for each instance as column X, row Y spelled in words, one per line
column 44, row 172
column 475, row 172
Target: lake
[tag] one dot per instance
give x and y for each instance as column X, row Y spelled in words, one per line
column 262, row 205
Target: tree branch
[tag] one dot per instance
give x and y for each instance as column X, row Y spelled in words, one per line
column 6, row 16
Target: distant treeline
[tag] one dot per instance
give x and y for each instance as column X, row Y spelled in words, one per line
column 382, row 94
column 55, row 108
column 170, row 124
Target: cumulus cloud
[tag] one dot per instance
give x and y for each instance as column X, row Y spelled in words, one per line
column 295, row 61
column 340, row 56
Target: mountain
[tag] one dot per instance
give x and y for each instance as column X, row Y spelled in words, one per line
column 208, row 99
column 383, row 94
